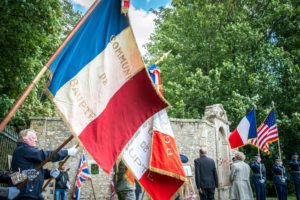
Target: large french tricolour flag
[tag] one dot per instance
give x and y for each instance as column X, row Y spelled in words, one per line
column 100, row 84
column 246, row 130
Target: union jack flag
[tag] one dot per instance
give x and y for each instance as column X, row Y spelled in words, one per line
column 266, row 133
column 83, row 174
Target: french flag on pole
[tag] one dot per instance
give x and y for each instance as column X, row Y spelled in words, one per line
column 246, row 130
column 100, row 84
column 152, row 154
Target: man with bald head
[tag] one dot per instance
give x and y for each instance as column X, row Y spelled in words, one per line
column 206, row 176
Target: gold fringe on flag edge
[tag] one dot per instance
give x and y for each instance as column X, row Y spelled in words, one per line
column 175, row 194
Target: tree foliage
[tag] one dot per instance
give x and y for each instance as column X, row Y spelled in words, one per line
column 30, row 31
column 237, row 53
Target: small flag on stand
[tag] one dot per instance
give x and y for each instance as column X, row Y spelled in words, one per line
column 246, row 130
column 83, row 174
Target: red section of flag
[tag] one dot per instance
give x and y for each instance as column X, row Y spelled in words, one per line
column 165, row 162
column 235, row 139
column 165, row 155
column 160, row 187
column 133, row 103
column 126, row 4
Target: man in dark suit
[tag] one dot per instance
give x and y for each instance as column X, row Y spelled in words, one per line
column 206, row 176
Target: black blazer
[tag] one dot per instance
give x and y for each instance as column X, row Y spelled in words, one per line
column 205, row 173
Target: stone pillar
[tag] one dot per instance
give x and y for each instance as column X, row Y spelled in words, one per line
column 217, row 116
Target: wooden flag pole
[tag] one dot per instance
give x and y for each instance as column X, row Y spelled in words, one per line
column 164, row 56
column 91, row 179
column 280, row 158
column 45, row 67
column 59, row 168
column 48, row 159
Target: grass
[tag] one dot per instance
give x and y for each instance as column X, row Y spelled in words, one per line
column 289, row 198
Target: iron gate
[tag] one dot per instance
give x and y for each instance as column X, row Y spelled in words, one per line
column 8, row 143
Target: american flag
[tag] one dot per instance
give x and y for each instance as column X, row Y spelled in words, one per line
column 267, row 132
column 82, row 175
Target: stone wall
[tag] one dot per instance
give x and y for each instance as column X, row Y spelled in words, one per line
column 190, row 134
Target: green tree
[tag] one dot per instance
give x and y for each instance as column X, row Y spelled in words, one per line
column 30, row 31
column 236, row 53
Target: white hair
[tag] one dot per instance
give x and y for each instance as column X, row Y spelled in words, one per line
column 24, row 134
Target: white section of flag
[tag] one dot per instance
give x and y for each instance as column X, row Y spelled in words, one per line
column 137, row 152
column 163, row 124
column 77, row 102
column 243, row 129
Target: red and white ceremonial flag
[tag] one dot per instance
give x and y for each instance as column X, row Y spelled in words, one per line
column 267, row 132
column 100, row 84
column 153, row 157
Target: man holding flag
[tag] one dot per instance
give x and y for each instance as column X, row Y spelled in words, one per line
column 124, row 188
column 258, row 178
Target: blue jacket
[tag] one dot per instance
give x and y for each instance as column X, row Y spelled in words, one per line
column 256, row 172
column 27, row 158
column 278, row 174
column 295, row 169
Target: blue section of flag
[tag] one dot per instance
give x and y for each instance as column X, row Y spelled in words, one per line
column 89, row 41
column 252, row 120
column 150, row 70
column 271, row 120
column 83, row 174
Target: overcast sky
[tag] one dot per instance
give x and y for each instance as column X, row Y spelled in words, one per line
column 141, row 19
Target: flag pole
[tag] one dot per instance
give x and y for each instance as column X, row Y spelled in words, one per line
column 164, row 56
column 48, row 159
column 59, row 168
column 91, row 180
column 45, row 67
column 280, row 157
column 258, row 153
column 279, row 152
